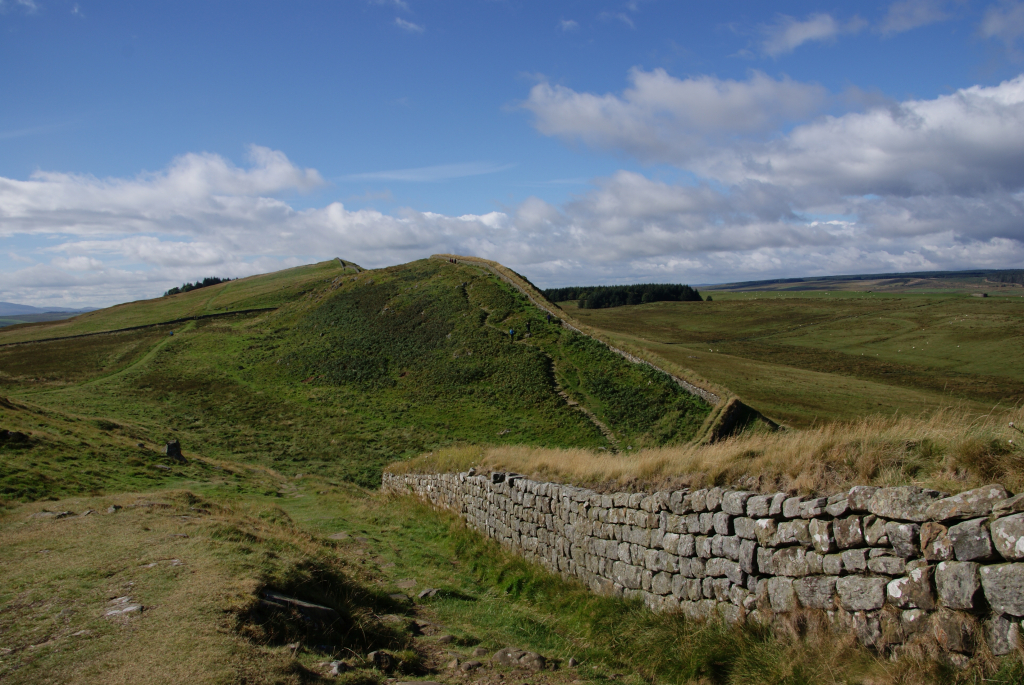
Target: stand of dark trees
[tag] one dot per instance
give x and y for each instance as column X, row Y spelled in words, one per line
column 1011, row 277
column 186, row 287
column 601, row 296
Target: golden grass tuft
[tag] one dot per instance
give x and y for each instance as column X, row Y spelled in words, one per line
column 950, row 450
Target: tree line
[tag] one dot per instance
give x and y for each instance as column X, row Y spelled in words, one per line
column 186, row 287
column 602, row 296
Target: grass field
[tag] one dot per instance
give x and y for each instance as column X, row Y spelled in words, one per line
column 806, row 357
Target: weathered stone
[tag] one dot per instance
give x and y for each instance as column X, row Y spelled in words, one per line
column 859, row 497
column 1003, row 635
column 952, row 630
column 661, row 584
column 971, row 540
column 766, row 531
column 904, row 503
column 867, row 628
column 957, row 583
column 731, row 547
column 748, row 556
column 821, row 536
column 861, row 593
column 758, row 505
column 794, row 532
column 874, row 531
column 855, row 560
column 703, row 546
column 714, row 498
column 698, row 500
column 935, row 542
column 838, row 504
column 745, row 528
column 904, row 538
column 832, row 564
column 735, row 502
column 913, row 591
column 686, row 546
column 813, row 507
column 848, row 532
column 1010, row 505
column 914, row 621
column 722, row 523
column 886, row 565
column 1004, row 587
column 173, row 451
column 966, row 505
column 816, row 592
column 790, row 561
column 791, row 507
column 626, row 575
column 765, row 560
column 814, row 563
column 781, row 594
column 775, row 508
column 670, row 543
column 1008, row 537
column 707, row 522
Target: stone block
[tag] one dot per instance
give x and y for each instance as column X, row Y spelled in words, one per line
column 707, row 522
column 735, row 502
column 702, row 545
column 795, row 532
column 874, row 531
column 813, row 507
column 745, row 528
column 693, row 524
column 1010, row 505
column 698, row 567
column 914, row 621
column 734, row 573
column 912, row 591
column 670, row 543
column 766, row 531
column 935, row 542
column 1003, row 585
column 764, row 560
column 716, row 546
column 848, row 532
column 816, row 592
column 731, row 547
column 781, row 594
column 904, row 503
column 855, row 560
column 886, row 565
column 661, row 584
column 626, row 575
column 775, row 508
column 971, row 540
column 758, row 505
column 814, row 563
column 838, row 505
column 957, row 583
column 1003, row 634
column 967, row 505
column 722, row 523
column 867, row 627
column 790, row 561
column 1008, row 537
column 953, row 630
column 675, row 524
column 859, row 497
column 720, row 588
column 832, row 564
column 791, row 507
column 686, row 546
column 748, row 556
column 714, row 498
column 857, row 593
column 821, row 536
column 904, row 538
column 698, row 500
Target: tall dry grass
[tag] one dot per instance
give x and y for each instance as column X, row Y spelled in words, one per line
column 950, row 450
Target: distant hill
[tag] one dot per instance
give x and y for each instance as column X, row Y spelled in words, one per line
column 12, row 309
column 974, row 279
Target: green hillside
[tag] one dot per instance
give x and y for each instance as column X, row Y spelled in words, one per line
column 353, row 369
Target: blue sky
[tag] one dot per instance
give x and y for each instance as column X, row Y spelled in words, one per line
column 145, row 144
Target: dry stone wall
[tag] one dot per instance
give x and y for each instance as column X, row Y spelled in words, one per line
column 899, row 566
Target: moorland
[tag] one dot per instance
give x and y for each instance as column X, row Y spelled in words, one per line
column 291, row 392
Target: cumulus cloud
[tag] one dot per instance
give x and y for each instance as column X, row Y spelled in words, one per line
column 663, row 118
column 789, row 33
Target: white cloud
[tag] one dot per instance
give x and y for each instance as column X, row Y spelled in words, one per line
column 787, row 34
column 905, row 15
column 1004, row 21
column 662, row 118
column 408, row 26
column 568, row 25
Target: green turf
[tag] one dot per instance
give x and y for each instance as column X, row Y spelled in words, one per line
column 801, row 357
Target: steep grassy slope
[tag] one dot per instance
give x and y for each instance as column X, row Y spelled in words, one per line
column 353, row 371
column 801, row 357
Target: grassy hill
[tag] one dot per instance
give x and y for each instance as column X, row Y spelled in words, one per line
column 802, row 357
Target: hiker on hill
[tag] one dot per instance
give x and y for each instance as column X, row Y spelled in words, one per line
column 511, row 335
column 549, row 317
